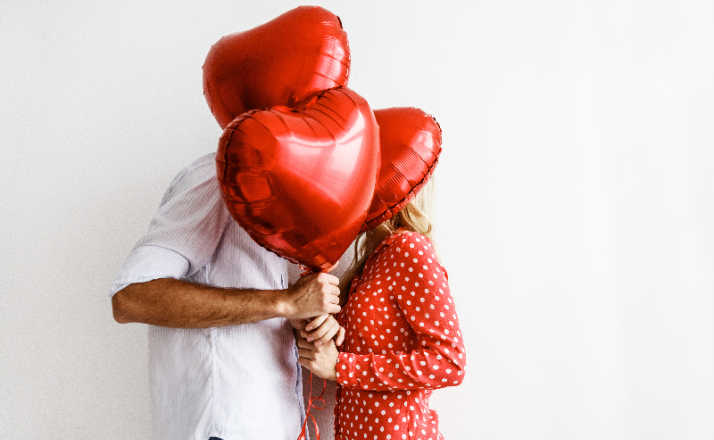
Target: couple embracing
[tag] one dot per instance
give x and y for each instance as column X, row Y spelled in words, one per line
column 231, row 323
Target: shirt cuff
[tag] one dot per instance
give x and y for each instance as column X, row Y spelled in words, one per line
column 149, row 262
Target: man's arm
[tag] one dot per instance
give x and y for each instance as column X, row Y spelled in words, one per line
column 175, row 303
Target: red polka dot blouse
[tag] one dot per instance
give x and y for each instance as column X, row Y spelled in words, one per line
column 403, row 340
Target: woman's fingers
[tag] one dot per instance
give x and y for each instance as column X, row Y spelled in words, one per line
column 328, row 327
column 315, row 323
column 319, row 333
column 327, row 337
column 323, row 329
column 302, row 343
column 340, row 336
column 306, row 354
column 307, row 363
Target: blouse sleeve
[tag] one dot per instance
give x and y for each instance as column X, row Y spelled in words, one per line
column 424, row 299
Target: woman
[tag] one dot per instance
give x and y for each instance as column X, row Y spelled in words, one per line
column 402, row 334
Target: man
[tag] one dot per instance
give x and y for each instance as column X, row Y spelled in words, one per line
column 222, row 357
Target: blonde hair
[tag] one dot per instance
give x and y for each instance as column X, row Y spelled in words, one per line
column 414, row 216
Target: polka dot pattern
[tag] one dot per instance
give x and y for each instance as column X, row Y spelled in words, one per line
column 403, row 341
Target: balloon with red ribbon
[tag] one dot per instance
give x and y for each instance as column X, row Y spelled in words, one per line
column 281, row 62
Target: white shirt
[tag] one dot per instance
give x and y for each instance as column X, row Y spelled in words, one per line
column 239, row 382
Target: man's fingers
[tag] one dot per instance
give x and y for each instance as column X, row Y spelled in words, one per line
column 315, row 323
column 330, row 289
column 332, row 295
column 333, row 309
column 328, row 278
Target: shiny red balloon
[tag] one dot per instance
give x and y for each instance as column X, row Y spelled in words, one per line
column 281, row 62
column 410, row 147
column 300, row 179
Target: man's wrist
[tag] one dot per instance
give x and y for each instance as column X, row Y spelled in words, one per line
column 282, row 305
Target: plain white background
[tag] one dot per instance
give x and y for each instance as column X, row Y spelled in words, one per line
column 574, row 213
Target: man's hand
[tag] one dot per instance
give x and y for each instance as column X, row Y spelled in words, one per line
column 322, row 329
column 312, row 295
column 320, row 359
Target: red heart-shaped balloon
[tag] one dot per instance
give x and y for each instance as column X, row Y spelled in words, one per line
column 300, row 180
column 410, row 146
column 281, row 62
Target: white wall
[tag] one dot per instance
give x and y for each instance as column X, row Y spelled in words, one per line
column 574, row 215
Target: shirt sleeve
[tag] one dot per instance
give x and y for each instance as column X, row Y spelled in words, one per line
column 184, row 232
column 425, row 301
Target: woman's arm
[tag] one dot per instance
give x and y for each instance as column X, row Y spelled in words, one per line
column 423, row 295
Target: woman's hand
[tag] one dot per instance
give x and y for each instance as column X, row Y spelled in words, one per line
column 322, row 329
column 320, row 359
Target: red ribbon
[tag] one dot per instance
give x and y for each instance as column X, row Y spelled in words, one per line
column 319, row 401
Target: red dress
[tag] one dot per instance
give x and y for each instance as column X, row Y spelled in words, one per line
column 403, row 340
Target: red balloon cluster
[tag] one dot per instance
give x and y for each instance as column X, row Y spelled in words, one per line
column 303, row 163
